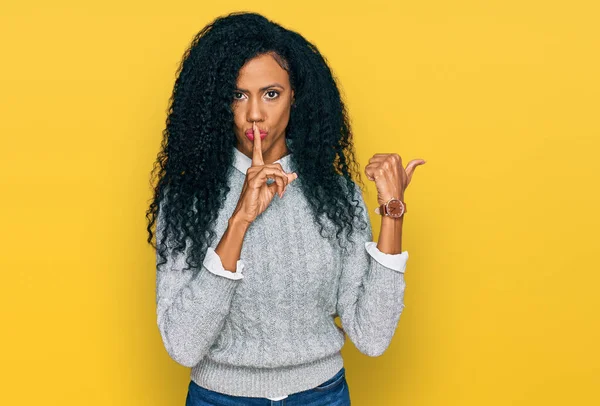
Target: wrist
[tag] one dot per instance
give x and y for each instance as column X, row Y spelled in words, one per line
column 395, row 221
column 238, row 223
column 399, row 196
column 393, row 208
column 391, row 225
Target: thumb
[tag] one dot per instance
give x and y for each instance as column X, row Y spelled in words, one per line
column 292, row 176
column 410, row 168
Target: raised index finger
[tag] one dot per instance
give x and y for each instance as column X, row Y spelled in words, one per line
column 257, row 158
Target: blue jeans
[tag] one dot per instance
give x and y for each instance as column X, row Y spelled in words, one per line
column 333, row 392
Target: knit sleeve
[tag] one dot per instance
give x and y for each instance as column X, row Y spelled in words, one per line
column 371, row 294
column 191, row 306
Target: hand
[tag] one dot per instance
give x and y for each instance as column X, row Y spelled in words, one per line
column 256, row 194
column 391, row 179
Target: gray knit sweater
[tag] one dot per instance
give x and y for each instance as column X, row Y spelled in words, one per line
column 272, row 331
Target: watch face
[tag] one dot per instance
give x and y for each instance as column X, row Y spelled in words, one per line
column 395, row 208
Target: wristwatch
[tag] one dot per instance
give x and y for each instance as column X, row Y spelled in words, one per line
column 392, row 208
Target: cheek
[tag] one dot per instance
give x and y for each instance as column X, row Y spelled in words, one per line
column 283, row 113
column 238, row 118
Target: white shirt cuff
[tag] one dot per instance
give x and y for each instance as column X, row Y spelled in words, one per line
column 397, row 262
column 212, row 262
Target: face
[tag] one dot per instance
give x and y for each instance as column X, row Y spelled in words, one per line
column 263, row 94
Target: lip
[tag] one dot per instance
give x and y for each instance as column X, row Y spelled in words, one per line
column 250, row 134
column 251, row 131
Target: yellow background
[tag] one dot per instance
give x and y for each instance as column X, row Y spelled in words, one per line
column 500, row 97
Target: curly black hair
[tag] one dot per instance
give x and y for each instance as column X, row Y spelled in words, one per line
column 196, row 153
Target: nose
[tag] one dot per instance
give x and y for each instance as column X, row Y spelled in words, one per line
column 254, row 112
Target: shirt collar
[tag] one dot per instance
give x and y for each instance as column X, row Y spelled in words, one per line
column 242, row 162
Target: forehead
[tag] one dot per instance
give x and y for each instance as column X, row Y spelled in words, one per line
column 260, row 71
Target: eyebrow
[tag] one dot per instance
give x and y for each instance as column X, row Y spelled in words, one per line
column 263, row 88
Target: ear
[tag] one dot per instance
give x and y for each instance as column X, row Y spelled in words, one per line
column 293, row 99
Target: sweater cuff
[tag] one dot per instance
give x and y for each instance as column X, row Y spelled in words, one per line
column 212, row 262
column 397, row 262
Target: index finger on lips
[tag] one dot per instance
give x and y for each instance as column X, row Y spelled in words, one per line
column 257, row 158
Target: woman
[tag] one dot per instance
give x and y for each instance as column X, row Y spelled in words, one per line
column 248, row 285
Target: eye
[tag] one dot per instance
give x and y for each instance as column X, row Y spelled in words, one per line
column 275, row 92
column 235, row 95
